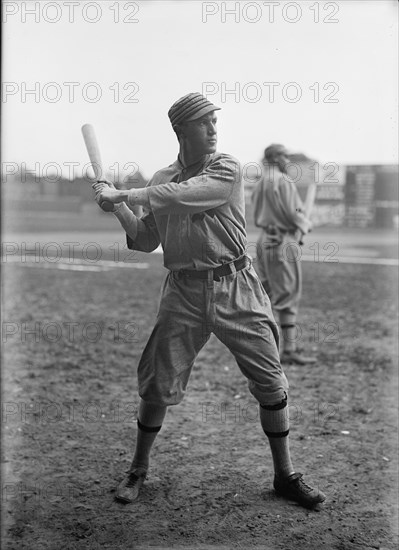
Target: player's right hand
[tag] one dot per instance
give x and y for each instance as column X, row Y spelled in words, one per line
column 101, row 185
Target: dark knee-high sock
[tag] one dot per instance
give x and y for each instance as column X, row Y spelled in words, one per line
column 275, row 423
column 290, row 336
column 289, row 331
column 149, row 422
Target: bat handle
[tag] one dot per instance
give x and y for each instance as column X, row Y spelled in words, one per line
column 107, row 206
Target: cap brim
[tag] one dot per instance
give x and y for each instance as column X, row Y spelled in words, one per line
column 204, row 111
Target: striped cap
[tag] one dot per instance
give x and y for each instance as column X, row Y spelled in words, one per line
column 190, row 107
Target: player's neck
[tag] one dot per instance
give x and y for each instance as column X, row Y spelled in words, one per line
column 187, row 158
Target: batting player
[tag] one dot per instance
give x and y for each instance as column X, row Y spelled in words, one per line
column 195, row 210
column 278, row 210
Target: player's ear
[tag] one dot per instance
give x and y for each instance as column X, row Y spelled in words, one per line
column 180, row 130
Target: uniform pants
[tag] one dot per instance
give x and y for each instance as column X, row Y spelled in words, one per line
column 237, row 310
column 280, row 271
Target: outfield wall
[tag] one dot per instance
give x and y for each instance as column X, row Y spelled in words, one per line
column 349, row 196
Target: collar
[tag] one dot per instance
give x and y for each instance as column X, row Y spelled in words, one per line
column 201, row 161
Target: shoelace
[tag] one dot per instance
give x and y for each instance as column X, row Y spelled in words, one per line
column 133, row 479
column 304, row 485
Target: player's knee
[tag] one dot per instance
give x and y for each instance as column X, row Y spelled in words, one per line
column 268, row 395
column 275, row 406
column 161, row 399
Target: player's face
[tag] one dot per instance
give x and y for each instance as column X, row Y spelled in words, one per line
column 201, row 135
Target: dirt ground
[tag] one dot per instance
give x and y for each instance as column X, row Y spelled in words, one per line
column 71, row 343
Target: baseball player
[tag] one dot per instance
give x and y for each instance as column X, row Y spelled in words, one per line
column 278, row 210
column 194, row 208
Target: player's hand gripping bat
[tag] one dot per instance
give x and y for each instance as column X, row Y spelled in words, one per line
column 95, row 158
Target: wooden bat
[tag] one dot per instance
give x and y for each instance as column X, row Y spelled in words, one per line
column 309, row 201
column 93, row 150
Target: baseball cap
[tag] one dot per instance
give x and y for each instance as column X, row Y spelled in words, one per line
column 273, row 150
column 190, row 107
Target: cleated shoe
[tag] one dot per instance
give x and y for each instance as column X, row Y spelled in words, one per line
column 294, row 488
column 128, row 489
column 295, row 358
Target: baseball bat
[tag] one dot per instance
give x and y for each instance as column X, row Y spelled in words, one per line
column 93, row 151
column 309, row 201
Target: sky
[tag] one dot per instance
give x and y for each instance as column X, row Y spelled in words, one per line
column 319, row 77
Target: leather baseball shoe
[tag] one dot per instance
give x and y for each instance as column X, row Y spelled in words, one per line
column 294, row 488
column 128, row 489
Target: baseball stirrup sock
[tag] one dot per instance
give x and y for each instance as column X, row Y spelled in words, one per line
column 275, row 424
column 148, row 429
column 150, row 414
column 290, row 336
column 275, row 419
column 145, row 438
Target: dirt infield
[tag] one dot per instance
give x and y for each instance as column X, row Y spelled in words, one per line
column 71, row 344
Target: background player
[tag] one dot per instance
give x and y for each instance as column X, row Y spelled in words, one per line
column 278, row 210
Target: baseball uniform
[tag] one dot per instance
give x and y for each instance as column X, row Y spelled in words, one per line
column 197, row 215
column 278, row 210
column 196, row 212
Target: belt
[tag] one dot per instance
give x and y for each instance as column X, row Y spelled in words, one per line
column 218, row 272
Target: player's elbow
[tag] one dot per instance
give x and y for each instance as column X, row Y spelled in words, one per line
column 142, row 245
